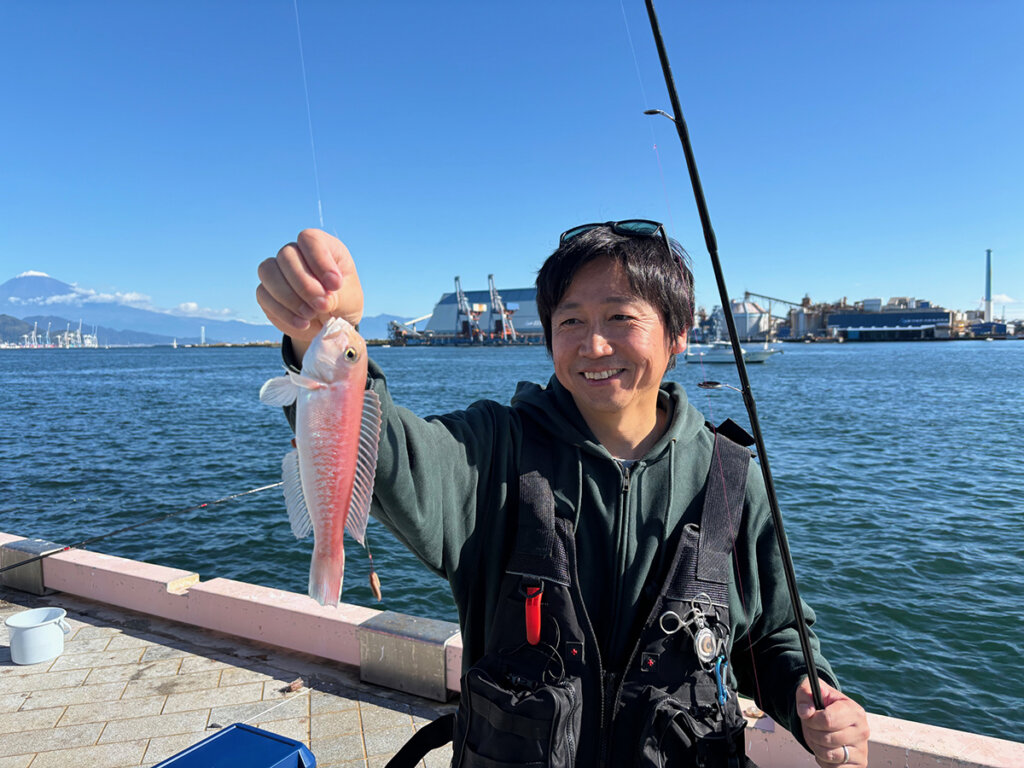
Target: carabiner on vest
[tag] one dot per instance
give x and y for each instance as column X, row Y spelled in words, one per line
column 720, row 666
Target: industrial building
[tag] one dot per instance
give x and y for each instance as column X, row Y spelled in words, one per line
column 901, row 319
column 753, row 323
column 487, row 317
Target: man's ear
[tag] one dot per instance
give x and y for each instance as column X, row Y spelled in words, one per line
column 679, row 345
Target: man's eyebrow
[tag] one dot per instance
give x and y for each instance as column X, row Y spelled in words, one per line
column 571, row 305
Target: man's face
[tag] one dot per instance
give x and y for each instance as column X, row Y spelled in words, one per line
column 609, row 347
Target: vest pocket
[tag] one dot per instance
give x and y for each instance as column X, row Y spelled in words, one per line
column 673, row 735
column 506, row 722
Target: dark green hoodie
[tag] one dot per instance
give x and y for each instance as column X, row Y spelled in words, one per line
column 444, row 486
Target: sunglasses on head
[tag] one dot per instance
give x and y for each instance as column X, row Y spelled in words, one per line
column 630, row 228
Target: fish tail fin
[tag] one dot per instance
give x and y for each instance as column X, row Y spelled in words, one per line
column 326, row 575
column 366, row 468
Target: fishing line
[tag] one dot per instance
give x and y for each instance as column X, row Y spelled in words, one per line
column 309, row 116
column 643, row 95
column 279, row 704
column 102, row 536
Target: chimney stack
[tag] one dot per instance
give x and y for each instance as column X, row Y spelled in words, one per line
column 988, row 285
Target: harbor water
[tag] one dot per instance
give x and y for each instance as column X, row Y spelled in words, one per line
column 897, row 468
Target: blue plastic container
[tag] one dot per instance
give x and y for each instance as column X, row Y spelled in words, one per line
column 242, row 746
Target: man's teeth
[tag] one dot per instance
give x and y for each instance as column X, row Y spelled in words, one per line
column 596, row 376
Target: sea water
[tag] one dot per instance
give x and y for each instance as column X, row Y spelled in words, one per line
column 898, row 470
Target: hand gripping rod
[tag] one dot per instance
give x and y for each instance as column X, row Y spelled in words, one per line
column 748, row 397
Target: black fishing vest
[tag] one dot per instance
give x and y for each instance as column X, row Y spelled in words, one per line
column 540, row 696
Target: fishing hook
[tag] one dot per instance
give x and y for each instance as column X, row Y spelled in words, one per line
column 748, row 396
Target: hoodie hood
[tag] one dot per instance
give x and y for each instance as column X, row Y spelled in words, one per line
column 554, row 411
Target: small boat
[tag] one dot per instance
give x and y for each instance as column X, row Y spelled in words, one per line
column 760, row 355
column 721, row 352
column 715, row 352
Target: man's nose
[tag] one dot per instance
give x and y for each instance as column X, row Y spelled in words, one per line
column 595, row 344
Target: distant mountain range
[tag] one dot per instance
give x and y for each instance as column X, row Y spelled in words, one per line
column 35, row 298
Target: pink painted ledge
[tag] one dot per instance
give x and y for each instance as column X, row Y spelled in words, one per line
column 299, row 623
column 254, row 612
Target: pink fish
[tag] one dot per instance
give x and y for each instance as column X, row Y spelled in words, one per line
column 328, row 478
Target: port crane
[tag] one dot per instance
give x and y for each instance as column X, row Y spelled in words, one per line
column 399, row 331
column 504, row 313
column 770, row 299
column 470, row 327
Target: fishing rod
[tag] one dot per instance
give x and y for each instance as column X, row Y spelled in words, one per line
column 748, row 396
column 93, row 539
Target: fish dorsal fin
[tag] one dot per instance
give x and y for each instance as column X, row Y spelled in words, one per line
column 366, row 467
column 280, row 390
column 294, row 500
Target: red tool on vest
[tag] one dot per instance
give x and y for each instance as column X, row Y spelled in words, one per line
column 533, row 614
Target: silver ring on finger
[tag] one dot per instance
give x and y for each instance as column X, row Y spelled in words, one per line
column 846, row 755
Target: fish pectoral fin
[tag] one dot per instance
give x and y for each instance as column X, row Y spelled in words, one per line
column 280, row 390
column 366, row 467
column 294, row 500
column 304, row 381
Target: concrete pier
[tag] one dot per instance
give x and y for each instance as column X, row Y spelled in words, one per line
column 157, row 660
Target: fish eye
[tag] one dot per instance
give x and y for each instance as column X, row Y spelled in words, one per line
column 351, row 354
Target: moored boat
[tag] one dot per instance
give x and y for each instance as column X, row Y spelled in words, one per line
column 721, row 352
column 715, row 352
column 761, row 354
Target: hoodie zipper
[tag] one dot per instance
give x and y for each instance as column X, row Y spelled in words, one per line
column 609, row 680
column 620, row 542
column 609, row 699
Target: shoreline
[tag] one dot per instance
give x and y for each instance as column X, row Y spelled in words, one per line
column 385, row 343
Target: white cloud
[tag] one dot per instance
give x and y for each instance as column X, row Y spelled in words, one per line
column 192, row 309
column 64, row 298
column 42, row 301
column 33, row 273
column 130, row 299
column 1002, row 298
column 79, row 296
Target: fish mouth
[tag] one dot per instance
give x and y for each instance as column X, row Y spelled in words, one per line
column 335, row 327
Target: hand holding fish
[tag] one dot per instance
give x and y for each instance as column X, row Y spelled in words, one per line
column 308, row 282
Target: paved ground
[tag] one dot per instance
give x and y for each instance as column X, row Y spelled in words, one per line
column 132, row 690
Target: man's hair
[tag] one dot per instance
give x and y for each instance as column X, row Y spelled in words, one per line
column 662, row 279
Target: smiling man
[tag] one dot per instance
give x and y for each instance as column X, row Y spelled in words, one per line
column 612, row 559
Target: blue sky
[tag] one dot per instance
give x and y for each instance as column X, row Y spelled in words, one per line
column 158, row 151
